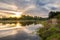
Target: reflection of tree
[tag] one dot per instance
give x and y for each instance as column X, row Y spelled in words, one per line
column 26, row 23
column 23, row 23
column 8, row 22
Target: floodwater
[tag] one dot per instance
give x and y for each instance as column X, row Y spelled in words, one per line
column 19, row 30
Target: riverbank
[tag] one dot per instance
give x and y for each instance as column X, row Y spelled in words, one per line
column 49, row 31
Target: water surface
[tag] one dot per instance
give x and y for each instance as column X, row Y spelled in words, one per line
column 19, row 30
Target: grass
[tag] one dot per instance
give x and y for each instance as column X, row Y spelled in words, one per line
column 49, row 31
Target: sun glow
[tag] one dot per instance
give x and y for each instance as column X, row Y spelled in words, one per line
column 18, row 14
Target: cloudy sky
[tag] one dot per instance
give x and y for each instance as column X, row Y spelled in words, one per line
column 30, row 7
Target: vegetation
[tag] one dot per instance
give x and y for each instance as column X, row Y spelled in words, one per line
column 50, row 31
column 54, row 14
column 24, row 17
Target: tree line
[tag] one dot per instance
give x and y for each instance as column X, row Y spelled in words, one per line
column 24, row 17
column 54, row 14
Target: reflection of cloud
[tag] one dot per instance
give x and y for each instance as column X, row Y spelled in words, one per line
column 9, row 31
column 4, row 33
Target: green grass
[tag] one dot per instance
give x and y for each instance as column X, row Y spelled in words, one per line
column 49, row 31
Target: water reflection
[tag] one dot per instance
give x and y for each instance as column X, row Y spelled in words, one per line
column 22, row 23
column 19, row 30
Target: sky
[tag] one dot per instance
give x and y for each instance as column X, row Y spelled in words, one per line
column 29, row 7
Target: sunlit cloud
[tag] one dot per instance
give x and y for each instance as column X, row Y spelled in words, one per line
column 8, row 6
column 12, row 13
column 31, row 7
column 28, row 0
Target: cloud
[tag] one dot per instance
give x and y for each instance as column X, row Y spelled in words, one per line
column 54, row 6
column 31, row 7
column 8, row 6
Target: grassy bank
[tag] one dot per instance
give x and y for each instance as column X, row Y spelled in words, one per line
column 49, row 31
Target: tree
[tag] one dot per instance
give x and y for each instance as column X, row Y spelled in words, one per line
column 53, row 14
